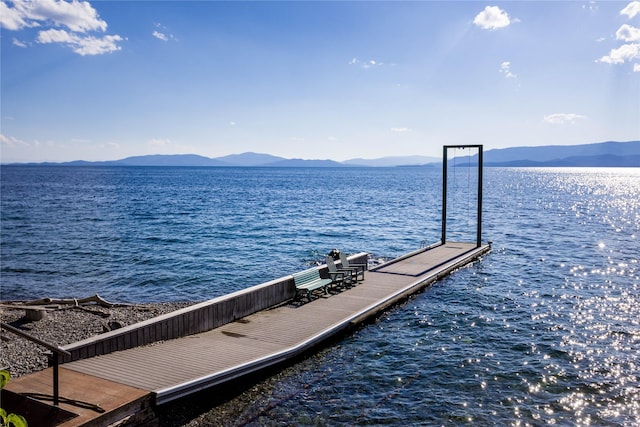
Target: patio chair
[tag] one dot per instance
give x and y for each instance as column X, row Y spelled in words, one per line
column 350, row 275
column 360, row 268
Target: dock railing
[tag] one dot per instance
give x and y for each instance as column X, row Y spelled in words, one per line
column 194, row 319
column 57, row 352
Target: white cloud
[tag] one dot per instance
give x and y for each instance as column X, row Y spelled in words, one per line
column 78, row 17
column 562, row 118
column 492, row 18
column 636, row 68
column 19, row 43
column 505, row 68
column 626, row 52
column 161, row 36
column 631, row 10
column 400, row 130
column 592, row 6
column 10, row 141
column 628, row 33
column 161, row 33
column 366, row 64
column 82, row 45
column 13, row 19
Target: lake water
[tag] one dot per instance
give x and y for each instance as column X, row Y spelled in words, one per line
column 544, row 330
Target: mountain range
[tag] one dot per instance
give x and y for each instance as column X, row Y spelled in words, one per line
column 603, row 154
column 609, row 154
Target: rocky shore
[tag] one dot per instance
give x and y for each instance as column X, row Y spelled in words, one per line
column 64, row 325
column 237, row 404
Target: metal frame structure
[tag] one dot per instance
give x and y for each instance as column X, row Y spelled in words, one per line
column 57, row 351
column 445, row 149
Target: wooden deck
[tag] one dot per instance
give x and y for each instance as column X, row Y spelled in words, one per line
column 113, row 401
column 179, row 367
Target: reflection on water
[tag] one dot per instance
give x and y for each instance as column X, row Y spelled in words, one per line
column 545, row 330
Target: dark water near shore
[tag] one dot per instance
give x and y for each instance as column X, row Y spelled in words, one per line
column 544, row 330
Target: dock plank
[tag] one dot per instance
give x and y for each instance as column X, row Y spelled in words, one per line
column 116, row 399
column 171, row 368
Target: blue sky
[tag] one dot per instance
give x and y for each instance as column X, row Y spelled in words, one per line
column 105, row 80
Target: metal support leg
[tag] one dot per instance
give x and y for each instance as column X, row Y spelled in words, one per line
column 56, row 378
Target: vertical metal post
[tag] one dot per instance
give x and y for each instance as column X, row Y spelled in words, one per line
column 57, row 351
column 443, row 238
column 56, row 377
column 480, row 165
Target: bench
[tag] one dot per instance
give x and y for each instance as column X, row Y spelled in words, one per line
column 310, row 280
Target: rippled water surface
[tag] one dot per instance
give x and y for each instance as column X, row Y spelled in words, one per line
column 543, row 330
column 141, row 234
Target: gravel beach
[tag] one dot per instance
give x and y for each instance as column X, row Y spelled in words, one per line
column 63, row 326
column 66, row 325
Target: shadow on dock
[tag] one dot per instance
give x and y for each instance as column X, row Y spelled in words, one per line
column 205, row 353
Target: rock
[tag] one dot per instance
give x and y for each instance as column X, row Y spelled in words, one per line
column 110, row 326
column 33, row 314
column 65, row 326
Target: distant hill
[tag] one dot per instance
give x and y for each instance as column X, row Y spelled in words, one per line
column 305, row 163
column 249, row 159
column 245, row 160
column 609, row 153
column 605, row 160
column 150, row 160
column 168, row 160
column 393, row 161
column 604, row 154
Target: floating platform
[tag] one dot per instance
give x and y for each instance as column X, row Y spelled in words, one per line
column 156, row 374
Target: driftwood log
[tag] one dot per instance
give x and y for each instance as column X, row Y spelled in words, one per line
column 95, row 299
column 37, row 309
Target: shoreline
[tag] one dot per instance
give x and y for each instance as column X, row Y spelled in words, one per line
column 64, row 326
column 70, row 324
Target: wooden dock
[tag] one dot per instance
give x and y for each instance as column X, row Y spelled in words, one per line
column 179, row 367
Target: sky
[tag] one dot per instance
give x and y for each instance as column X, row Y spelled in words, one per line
column 105, row 80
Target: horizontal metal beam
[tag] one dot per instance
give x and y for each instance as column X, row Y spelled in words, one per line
column 38, row 341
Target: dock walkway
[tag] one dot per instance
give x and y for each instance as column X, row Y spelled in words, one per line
column 176, row 368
